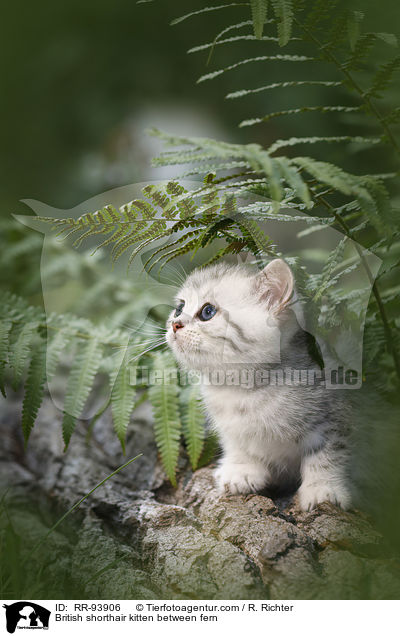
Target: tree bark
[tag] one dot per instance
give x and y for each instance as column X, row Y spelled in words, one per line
column 137, row 537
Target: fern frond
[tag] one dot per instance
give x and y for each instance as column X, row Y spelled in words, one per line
column 216, row 167
column 152, row 232
column 55, row 347
column 283, row 10
column 310, row 230
column 210, row 232
column 123, row 395
column 292, row 84
column 116, row 236
column 193, row 420
column 334, row 258
column 207, row 10
column 167, row 424
column 383, row 77
column 366, row 191
column 5, row 328
column 294, row 180
column 260, row 212
column 79, row 384
column 361, row 48
column 178, row 251
column 297, row 111
column 210, row 450
column 294, row 141
column 353, row 27
column 233, row 27
column 161, row 197
column 236, row 38
column 235, row 247
column 20, row 351
column 334, row 279
column 260, row 58
column 318, row 13
column 259, row 10
column 34, row 389
column 91, row 232
column 262, row 244
column 374, row 341
column 178, row 241
column 393, row 117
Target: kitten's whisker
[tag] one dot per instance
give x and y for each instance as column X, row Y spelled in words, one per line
column 135, row 345
column 184, row 274
column 148, row 321
column 142, row 353
column 179, row 278
column 147, row 329
column 148, row 342
column 150, row 334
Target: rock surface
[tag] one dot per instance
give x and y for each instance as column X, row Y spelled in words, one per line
column 137, row 537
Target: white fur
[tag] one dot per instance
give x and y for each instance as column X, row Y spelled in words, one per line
column 266, row 434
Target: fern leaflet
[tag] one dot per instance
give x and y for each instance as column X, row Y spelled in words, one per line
column 20, row 351
column 123, row 395
column 79, row 384
column 167, row 425
column 34, row 389
column 193, row 423
column 259, row 10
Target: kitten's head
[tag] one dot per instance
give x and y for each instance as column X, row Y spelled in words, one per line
column 230, row 314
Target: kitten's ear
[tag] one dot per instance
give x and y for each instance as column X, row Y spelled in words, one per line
column 275, row 285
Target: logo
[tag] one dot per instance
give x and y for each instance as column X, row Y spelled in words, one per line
column 26, row 615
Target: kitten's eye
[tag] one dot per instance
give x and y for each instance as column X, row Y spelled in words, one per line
column 179, row 309
column 207, row 312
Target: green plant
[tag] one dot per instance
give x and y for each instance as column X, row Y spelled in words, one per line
column 243, row 186
column 12, row 579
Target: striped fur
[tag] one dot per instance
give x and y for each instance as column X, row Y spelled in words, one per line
column 270, row 435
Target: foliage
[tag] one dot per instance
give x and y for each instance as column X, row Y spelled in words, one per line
column 27, row 333
column 244, row 185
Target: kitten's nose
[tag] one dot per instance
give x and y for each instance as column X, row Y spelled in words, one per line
column 176, row 326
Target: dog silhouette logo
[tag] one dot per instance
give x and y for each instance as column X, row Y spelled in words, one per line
column 26, row 615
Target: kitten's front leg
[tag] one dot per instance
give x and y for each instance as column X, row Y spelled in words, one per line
column 324, row 478
column 241, row 475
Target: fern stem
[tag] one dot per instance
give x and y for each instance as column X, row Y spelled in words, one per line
column 370, row 105
column 382, row 311
column 94, row 419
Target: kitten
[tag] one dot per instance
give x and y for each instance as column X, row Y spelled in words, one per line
column 231, row 322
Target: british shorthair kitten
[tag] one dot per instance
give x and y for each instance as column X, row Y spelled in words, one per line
column 231, row 324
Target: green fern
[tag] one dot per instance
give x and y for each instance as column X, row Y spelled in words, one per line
column 259, row 10
column 291, row 84
column 167, row 425
column 5, row 328
column 252, row 60
column 123, row 394
column 206, row 10
column 34, row 389
column 56, row 345
column 283, row 10
column 296, row 111
column 193, row 423
column 19, row 352
column 79, row 384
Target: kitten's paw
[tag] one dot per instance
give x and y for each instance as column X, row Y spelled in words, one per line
column 236, row 479
column 310, row 495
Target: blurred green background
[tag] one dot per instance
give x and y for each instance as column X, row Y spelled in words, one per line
column 81, row 81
